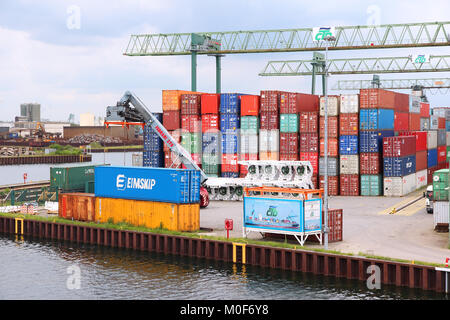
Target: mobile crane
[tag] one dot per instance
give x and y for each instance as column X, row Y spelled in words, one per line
column 130, row 110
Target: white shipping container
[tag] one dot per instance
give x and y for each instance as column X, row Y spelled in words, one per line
column 431, row 139
column 399, row 186
column 333, row 105
column 448, row 138
column 249, row 143
column 349, row 164
column 421, row 179
column 434, row 123
column 349, row 103
column 269, row 140
column 440, row 212
column 414, row 104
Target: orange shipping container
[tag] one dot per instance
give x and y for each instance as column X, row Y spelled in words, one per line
column 171, row 99
column 333, row 147
column 150, row 214
column 77, row 206
column 249, row 105
column 269, row 156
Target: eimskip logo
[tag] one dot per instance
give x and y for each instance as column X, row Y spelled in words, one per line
column 120, row 182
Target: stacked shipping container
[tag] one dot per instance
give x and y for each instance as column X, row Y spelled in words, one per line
column 153, row 155
column 230, row 116
column 249, row 130
column 211, row 137
column 269, row 135
column 191, row 126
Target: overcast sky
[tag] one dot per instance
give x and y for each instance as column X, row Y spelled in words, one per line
column 66, row 69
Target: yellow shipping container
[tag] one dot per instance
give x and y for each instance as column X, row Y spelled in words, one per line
column 171, row 99
column 170, row 216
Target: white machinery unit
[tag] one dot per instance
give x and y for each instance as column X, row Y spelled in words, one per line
column 262, row 173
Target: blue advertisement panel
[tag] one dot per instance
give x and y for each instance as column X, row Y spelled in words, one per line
column 313, row 215
column 275, row 214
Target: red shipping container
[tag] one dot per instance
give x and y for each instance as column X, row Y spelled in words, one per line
column 349, row 124
column 421, row 160
column 172, row 119
column 210, row 123
column 424, row 110
column 376, row 99
column 333, row 147
column 288, row 157
column 307, row 102
column 171, row 160
column 230, row 162
column 349, row 184
column 333, row 127
column 313, row 158
column 191, row 104
column 442, row 154
column 401, row 121
column 250, row 105
column 401, row 102
column 269, row 101
column 176, row 135
column 400, row 146
column 210, row 103
column 314, row 181
column 269, row 120
column 309, row 121
column 288, row 102
column 309, row 142
column 333, row 184
column 289, row 143
column 191, row 123
column 197, row 159
column 441, row 123
column 414, row 122
column 370, row 163
column 421, row 138
column 430, row 172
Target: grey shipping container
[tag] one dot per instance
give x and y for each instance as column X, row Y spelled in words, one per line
column 333, row 166
column 434, row 122
column 424, row 124
column 414, row 104
column 440, row 213
column 441, row 138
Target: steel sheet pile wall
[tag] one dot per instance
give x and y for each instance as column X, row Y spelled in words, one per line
column 349, row 145
column 230, row 116
column 211, row 136
column 153, row 155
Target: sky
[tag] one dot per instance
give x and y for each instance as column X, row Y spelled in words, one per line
column 68, row 55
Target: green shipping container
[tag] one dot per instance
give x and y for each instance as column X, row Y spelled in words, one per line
column 448, row 153
column 249, row 125
column 192, row 142
column 73, row 179
column 289, row 123
column 371, row 185
column 440, row 185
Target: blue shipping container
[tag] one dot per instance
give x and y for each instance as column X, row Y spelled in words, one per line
column 151, row 184
column 211, row 143
column 399, row 167
column 151, row 139
column 376, row 119
column 230, row 143
column 447, row 125
column 230, row 175
column 230, row 103
column 229, row 123
column 348, row 145
column 153, row 159
column 372, row 141
column 432, row 158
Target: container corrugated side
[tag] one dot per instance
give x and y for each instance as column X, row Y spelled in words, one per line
column 333, row 105
column 349, row 164
column 151, row 184
column 440, row 212
column 399, row 186
column 72, row 178
column 349, row 103
column 269, row 141
column 399, row 166
column 371, row 184
column 333, row 166
column 421, row 179
column 77, row 206
column 150, row 214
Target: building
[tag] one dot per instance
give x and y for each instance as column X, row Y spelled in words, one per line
column 32, row 111
column 87, row 120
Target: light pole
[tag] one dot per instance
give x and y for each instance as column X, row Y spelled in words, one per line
column 325, row 194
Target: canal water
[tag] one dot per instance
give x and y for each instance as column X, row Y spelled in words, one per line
column 53, row 270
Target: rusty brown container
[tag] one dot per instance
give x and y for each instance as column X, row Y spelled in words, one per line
column 333, row 184
column 309, row 122
column 348, row 124
column 333, row 127
column 77, row 206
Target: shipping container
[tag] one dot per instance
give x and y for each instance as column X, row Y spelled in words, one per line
column 172, row 119
column 440, row 185
column 269, row 140
column 333, row 185
column 441, row 215
column 249, row 125
column 191, row 104
column 376, row 99
column 424, row 124
column 149, row 184
column 370, row 163
column 77, row 206
column 414, row 122
column 349, row 164
column 230, row 163
column 171, row 99
column 249, row 144
column 229, row 123
column 434, row 122
column 399, row 186
column 441, row 123
column 371, row 184
column 348, row 145
column 250, row 105
column 399, row 166
column 401, row 121
column 349, row 103
column 349, row 124
column 230, row 103
column 243, row 170
column 372, row 141
column 269, row 101
column 333, row 127
column 376, row 119
column 309, row 122
column 230, row 174
column 307, row 102
column 211, row 143
column 149, row 214
column 191, row 123
column 269, row 120
column 72, row 179
column 288, row 156
column 424, row 110
column 289, row 143
column 289, row 123
column 401, row 102
column 421, row 178
column 176, row 135
column 171, row 160
column 441, row 138
column 414, row 104
column 432, row 139
column 447, row 126
column 333, row 105
column 333, row 166
column 210, row 103
column 333, row 147
column 210, row 123
column 230, row 143
column 432, row 158
column 153, row 159
column 400, row 146
column 192, row 142
column 421, row 160
column 349, row 184
column 309, row 142
column 269, row 155
column 288, row 102
column 447, row 139
column 313, row 158
column 441, row 154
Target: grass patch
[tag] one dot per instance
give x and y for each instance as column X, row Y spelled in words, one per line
column 64, row 150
